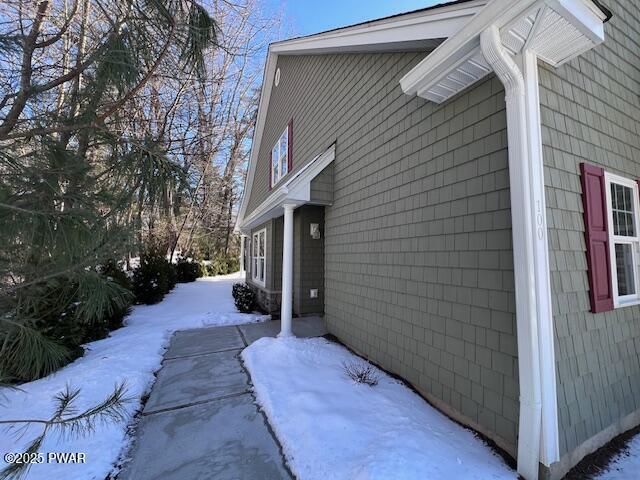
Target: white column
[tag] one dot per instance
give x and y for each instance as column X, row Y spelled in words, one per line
column 242, row 247
column 287, row 273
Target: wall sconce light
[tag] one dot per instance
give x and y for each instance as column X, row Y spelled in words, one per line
column 315, row 231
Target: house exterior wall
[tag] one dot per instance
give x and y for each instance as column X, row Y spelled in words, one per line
column 591, row 113
column 322, row 187
column 268, row 297
column 418, row 259
column 308, row 263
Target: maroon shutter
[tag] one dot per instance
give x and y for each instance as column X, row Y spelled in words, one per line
column 594, row 201
column 290, row 146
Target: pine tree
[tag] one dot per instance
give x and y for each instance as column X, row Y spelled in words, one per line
column 78, row 169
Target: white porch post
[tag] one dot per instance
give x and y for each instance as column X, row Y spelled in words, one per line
column 287, row 273
column 242, row 247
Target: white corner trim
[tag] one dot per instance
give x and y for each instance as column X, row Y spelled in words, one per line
column 523, row 231
column 549, row 444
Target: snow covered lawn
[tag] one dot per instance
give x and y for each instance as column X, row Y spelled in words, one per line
column 626, row 464
column 132, row 353
column 331, row 427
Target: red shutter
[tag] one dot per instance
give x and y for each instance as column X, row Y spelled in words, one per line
column 290, row 146
column 594, row 201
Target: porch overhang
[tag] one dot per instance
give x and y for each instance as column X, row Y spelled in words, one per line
column 295, row 191
column 557, row 30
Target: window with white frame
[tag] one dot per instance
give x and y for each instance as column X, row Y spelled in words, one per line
column 280, row 157
column 624, row 241
column 258, row 255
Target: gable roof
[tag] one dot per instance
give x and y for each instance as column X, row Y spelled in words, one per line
column 422, row 29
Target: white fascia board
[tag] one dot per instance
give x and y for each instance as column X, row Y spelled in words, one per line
column 296, row 191
column 584, row 15
column 263, row 105
column 428, row 25
column 462, row 44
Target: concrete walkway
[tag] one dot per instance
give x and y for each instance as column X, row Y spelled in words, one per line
column 201, row 420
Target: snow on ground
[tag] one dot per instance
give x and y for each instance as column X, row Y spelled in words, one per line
column 626, row 464
column 331, row 427
column 132, row 353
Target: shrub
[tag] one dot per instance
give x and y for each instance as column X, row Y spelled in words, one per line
column 361, row 372
column 114, row 272
column 188, row 270
column 63, row 314
column 243, row 297
column 221, row 265
column 153, row 278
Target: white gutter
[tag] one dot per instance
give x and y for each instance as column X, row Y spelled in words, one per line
column 523, row 251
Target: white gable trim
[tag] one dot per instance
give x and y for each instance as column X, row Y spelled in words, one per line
column 399, row 32
column 296, row 191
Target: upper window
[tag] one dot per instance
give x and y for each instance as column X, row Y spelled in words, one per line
column 258, row 256
column 280, row 157
column 624, row 242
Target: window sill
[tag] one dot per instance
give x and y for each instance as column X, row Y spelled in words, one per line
column 626, row 303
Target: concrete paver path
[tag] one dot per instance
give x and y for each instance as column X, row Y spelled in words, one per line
column 201, row 421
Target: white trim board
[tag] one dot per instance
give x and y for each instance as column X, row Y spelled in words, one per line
column 295, row 191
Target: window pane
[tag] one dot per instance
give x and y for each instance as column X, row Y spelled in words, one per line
column 624, row 267
column 284, row 146
column 274, row 164
column 622, row 207
column 261, row 244
column 262, row 269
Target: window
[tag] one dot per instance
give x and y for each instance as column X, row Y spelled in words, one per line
column 624, row 242
column 258, row 255
column 280, row 156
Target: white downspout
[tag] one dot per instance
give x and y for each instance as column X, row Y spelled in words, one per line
column 524, row 261
column 287, row 273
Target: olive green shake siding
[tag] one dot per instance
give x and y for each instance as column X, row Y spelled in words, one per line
column 591, row 113
column 308, row 263
column 418, row 264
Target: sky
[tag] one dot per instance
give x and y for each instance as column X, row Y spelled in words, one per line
column 311, row 16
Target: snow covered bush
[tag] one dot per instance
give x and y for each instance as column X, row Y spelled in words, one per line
column 153, row 278
column 221, row 265
column 243, row 297
column 188, row 270
column 361, row 372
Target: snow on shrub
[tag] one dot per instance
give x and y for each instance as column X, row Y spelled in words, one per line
column 243, row 297
column 188, row 270
column 361, row 372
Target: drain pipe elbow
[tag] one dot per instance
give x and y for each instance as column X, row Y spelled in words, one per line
column 529, row 432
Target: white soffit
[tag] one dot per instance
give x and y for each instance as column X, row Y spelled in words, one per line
column 557, row 30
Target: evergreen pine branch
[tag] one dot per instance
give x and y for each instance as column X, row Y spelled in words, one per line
column 68, row 424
